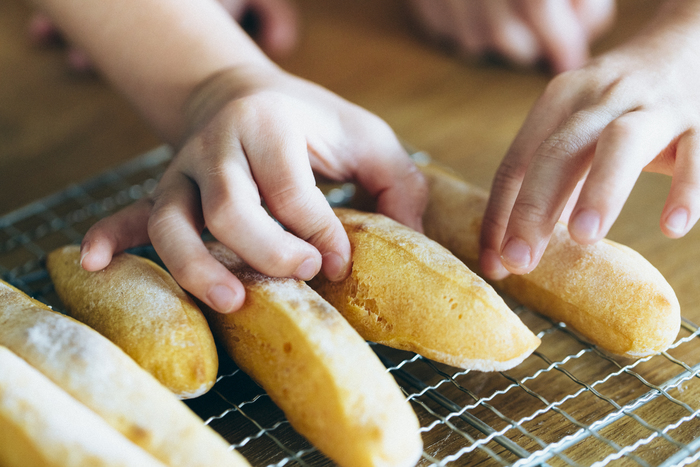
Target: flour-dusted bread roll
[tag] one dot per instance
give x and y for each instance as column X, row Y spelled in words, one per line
column 42, row 426
column 406, row 291
column 139, row 306
column 318, row 370
column 606, row 291
column 103, row 378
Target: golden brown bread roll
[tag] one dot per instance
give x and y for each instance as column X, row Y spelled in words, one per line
column 408, row 292
column 139, row 306
column 606, row 291
column 42, row 426
column 318, row 370
column 102, row 377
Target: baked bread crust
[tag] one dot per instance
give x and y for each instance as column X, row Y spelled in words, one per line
column 42, row 426
column 606, row 291
column 407, row 292
column 318, row 370
column 98, row 374
column 139, row 306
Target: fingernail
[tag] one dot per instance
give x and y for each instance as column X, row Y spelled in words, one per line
column 307, row 270
column 334, row 266
column 677, row 221
column 84, row 250
column 517, row 253
column 586, row 225
column 492, row 265
column 222, row 298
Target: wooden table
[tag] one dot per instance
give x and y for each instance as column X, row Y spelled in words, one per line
column 58, row 128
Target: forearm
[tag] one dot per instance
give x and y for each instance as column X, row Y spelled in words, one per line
column 156, row 51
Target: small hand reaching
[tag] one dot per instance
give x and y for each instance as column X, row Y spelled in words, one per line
column 635, row 108
column 262, row 145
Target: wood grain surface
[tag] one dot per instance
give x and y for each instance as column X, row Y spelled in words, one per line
column 57, row 128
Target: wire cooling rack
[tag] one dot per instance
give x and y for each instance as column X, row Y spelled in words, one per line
column 568, row 404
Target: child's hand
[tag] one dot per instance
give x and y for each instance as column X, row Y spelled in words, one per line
column 635, row 108
column 522, row 31
column 258, row 141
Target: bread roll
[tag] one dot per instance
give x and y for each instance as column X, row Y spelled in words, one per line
column 42, row 426
column 102, row 377
column 138, row 306
column 605, row 291
column 408, row 292
column 318, row 370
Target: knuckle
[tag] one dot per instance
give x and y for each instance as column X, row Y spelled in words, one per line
column 621, row 91
column 415, row 187
column 290, row 200
column 620, row 129
column 532, row 211
column 221, row 215
column 416, row 181
column 189, row 273
column 323, row 232
column 560, row 84
column 560, row 147
column 257, row 107
column 509, row 174
column 161, row 216
column 280, row 259
column 490, row 225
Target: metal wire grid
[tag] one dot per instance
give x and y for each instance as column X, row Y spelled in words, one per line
column 568, row 404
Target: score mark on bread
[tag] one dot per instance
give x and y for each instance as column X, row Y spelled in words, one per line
column 318, row 370
column 408, row 292
column 606, row 291
column 100, row 376
column 42, row 426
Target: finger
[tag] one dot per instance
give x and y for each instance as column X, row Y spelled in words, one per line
column 79, row 60
column 278, row 31
column 42, row 30
column 235, row 8
column 402, row 197
column 571, row 203
column 624, row 148
column 175, row 228
column 434, row 17
column 125, row 229
column 596, row 16
column 233, row 211
column 287, row 185
column 561, row 36
column 558, row 164
column 682, row 208
column 386, row 171
column 551, row 109
column 466, row 27
column 508, row 35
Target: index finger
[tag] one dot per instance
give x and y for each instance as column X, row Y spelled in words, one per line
column 547, row 113
column 557, row 166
